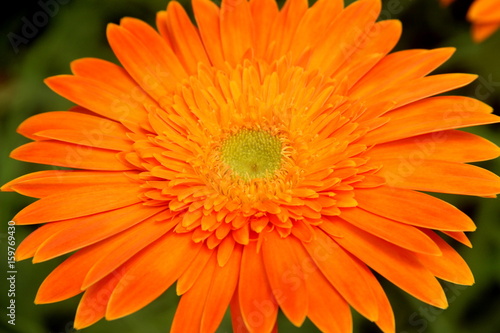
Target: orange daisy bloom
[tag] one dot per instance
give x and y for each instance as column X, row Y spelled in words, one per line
column 484, row 16
column 264, row 159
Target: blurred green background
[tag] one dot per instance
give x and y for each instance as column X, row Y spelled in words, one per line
column 78, row 30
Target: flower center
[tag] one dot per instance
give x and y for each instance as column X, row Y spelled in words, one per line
column 252, row 154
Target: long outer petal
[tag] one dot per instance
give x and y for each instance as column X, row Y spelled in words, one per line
column 449, row 266
column 399, row 266
column 84, row 231
column 92, row 306
column 223, row 286
column 403, row 235
column 207, row 16
column 326, row 308
column 344, row 273
column 451, row 146
column 44, row 183
column 440, row 176
column 257, row 303
column 151, row 272
column 283, row 264
column 414, row 208
column 69, row 155
column 84, row 201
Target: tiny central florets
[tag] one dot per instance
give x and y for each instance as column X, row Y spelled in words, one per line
column 252, row 154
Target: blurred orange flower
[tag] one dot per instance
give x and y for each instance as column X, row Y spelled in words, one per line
column 484, row 16
column 262, row 160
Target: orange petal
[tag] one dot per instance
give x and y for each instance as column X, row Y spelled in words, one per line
column 146, row 57
column 449, row 266
column 44, row 183
column 283, row 258
column 481, row 31
column 458, row 236
column 400, row 66
column 30, row 244
column 403, row 235
column 339, row 43
column 326, row 308
column 264, row 13
column 118, row 249
column 257, row 304
column 363, row 285
column 116, row 77
column 440, row 176
column 345, row 274
column 92, row 306
column 82, row 138
column 236, row 316
column 414, row 208
column 69, row 155
column 189, row 312
column 420, row 88
column 107, row 100
column 207, row 16
column 242, row 235
column 222, row 288
column 484, row 11
column 162, row 26
column 94, row 128
column 451, row 145
column 65, row 280
column 119, row 81
column 396, row 264
column 186, row 41
column 385, row 319
column 441, row 113
column 383, row 37
column 87, row 230
column 192, row 273
column 160, row 51
column 313, row 24
column 237, row 319
column 140, row 285
column 235, row 30
column 285, row 25
column 85, row 201
column 225, row 250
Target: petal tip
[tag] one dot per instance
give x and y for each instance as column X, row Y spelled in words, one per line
column 41, row 298
column 112, row 29
column 20, row 256
column 54, row 82
column 449, row 49
column 6, row 187
column 78, row 325
column 441, row 303
column 113, row 315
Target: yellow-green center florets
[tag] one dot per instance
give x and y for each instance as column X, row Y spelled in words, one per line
column 252, row 154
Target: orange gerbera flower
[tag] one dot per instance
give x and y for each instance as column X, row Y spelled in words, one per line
column 484, row 16
column 263, row 160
